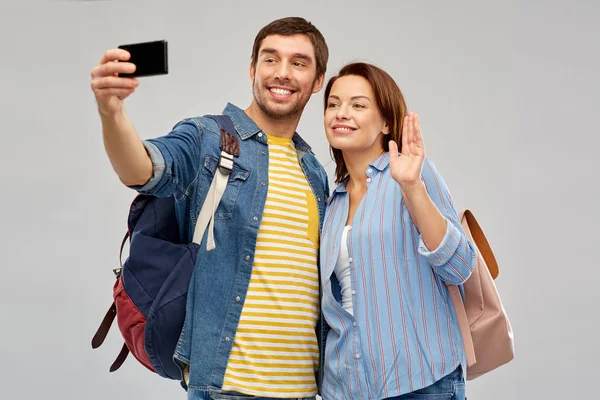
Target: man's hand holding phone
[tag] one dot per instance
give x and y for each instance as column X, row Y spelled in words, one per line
column 113, row 79
column 109, row 88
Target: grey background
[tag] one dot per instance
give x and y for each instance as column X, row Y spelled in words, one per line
column 507, row 94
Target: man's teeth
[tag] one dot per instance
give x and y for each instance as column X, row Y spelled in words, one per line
column 280, row 91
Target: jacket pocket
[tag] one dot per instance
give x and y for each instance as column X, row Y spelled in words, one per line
column 237, row 177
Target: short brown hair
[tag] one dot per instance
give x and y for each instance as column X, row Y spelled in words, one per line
column 389, row 100
column 295, row 26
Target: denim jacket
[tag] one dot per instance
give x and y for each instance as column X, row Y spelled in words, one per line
column 184, row 163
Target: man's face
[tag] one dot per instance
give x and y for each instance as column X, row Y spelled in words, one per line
column 284, row 77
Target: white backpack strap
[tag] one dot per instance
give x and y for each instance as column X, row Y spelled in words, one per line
column 215, row 192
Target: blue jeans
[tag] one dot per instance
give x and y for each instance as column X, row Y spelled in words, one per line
column 450, row 387
column 218, row 395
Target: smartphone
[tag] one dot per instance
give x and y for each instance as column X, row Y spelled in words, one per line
column 150, row 58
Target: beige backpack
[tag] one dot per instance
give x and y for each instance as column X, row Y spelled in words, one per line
column 484, row 325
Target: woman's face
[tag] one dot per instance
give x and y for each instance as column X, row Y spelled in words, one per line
column 353, row 121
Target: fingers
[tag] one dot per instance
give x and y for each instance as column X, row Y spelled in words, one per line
column 416, row 129
column 410, row 130
column 113, row 82
column 114, row 55
column 393, row 150
column 418, row 135
column 113, row 62
column 121, row 92
column 113, row 68
column 405, row 134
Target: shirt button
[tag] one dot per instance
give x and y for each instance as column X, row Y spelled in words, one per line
column 368, row 180
column 350, row 259
column 227, row 339
column 238, row 298
column 247, row 258
column 357, row 356
column 255, row 218
column 354, row 323
column 354, row 292
column 369, row 171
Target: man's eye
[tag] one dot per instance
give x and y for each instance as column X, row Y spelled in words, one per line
column 298, row 64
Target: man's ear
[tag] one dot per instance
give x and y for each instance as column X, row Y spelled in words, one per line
column 318, row 85
column 252, row 72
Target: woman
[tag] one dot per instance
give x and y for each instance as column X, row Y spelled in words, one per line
column 391, row 242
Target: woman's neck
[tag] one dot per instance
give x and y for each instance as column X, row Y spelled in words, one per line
column 357, row 164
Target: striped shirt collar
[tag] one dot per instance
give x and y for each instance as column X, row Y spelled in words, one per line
column 379, row 164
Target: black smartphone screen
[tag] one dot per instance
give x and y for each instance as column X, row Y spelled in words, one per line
column 150, row 58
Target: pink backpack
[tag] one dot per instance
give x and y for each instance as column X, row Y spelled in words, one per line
column 484, row 325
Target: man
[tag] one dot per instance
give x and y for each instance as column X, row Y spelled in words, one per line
column 253, row 302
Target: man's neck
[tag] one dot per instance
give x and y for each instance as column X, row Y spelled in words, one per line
column 283, row 128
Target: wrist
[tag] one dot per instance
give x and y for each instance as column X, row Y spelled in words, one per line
column 413, row 189
column 111, row 115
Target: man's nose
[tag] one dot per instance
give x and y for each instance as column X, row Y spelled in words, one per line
column 283, row 71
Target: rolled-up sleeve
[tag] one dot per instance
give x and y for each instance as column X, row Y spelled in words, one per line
column 158, row 168
column 455, row 257
column 175, row 160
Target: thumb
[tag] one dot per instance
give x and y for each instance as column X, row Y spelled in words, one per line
column 393, row 149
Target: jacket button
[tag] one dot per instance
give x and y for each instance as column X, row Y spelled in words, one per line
column 255, row 218
column 227, row 339
column 237, row 298
column 247, row 258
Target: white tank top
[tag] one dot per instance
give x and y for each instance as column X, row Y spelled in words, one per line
column 342, row 272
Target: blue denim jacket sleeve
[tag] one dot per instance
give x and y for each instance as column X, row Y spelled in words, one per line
column 455, row 257
column 175, row 160
column 325, row 183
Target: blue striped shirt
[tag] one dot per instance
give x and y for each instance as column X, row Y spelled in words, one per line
column 404, row 334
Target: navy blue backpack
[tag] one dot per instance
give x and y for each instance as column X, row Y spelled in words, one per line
column 150, row 291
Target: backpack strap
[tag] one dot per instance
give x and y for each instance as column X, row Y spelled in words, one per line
column 229, row 149
column 120, row 358
column 104, row 327
column 482, row 244
column 484, row 249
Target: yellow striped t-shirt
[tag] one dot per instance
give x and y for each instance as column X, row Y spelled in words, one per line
column 275, row 350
